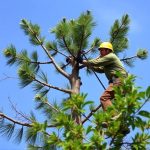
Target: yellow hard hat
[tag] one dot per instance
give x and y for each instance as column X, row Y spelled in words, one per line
column 107, row 45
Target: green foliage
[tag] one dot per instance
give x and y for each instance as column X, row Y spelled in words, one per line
column 148, row 92
column 128, row 104
column 77, row 102
column 40, row 88
column 72, row 36
column 21, row 58
column 10, row 54
column 140, row 141
column 47, row 108
column 19, row 135
column 33, row 31
column 144, row 113
column 94, row 46
column 118, row 34
column 96, row 43
column 27, row 66
column 59, row 129
column 44, row 147
column 52, row 46
column 7, row 129
column 26, row 74
column 142, row 53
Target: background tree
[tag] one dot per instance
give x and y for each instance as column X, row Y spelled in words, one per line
column 64, row 124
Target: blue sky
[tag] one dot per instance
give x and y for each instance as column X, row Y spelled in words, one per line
column 47, row 14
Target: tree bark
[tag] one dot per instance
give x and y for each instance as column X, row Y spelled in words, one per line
column 75, row 87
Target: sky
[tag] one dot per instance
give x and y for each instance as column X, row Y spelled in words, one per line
column 47, row 14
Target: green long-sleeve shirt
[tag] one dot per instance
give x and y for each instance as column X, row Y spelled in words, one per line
column 107, row 64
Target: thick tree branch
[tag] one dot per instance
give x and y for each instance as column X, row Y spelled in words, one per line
column 54, row 63
column 53, row 87
column 34, row 62
column 61, row 71
column 3, row 116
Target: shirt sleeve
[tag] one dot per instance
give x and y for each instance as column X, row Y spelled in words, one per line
column 98, row 69
column 101, row 61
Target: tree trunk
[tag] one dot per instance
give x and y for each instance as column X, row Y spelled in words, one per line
column 75, row 86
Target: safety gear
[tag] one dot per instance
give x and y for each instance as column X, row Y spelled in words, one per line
column 107, row 45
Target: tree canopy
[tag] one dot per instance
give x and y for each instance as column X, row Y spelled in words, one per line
column 76, row 123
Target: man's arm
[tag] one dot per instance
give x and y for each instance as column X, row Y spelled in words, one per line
column 99, row 62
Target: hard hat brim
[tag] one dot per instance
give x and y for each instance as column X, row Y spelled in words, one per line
column 104, row 48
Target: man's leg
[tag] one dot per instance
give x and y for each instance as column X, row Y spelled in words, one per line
column 107, row 96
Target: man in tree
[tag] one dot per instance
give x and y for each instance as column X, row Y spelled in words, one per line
column 109, row 64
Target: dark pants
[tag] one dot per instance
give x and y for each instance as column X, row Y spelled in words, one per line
column 108, row 94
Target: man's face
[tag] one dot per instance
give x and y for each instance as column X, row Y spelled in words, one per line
column 104, row 51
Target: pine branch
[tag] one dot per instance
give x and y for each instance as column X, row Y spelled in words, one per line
column 49, row 47
column 118, row 34
column 94, row 45
column 13, row 57
column 115, row 34
column 63, row 38
column 40, row 63
column 2, row 116
column 141, row 54
column 15, row 121
column 35, row 62
column 51, row 106
column 54, row 63
column 128, row 58
column 48, row 54
column 42, row 101
column 60, row 53
column 53, row 87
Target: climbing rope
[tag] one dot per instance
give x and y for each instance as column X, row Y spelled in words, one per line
column 95, row 74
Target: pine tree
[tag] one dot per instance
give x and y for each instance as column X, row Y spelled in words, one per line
column 64, row 126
